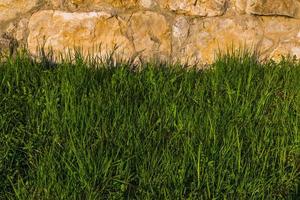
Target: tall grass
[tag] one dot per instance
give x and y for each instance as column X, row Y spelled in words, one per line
column 68, row 131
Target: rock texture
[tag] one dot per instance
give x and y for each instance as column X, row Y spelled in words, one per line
column 150, row 34
column 208, row 8
column 208, row 37
column 186, row 31
column 92, row 32
column 290, row 8
column 11, row 9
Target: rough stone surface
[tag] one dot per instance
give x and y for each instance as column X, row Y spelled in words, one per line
column 286, row 48
column 94, row 32
column 188, row 31
column 208, row 37
column 90, row 5
column 21, row 30
column 11, row 9
column 147, row 3
column 195, row 7
column 94, row 4
column 241, row 6
column 290, row 8
column 150, row 33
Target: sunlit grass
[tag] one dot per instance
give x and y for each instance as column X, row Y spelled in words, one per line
column 68, row 131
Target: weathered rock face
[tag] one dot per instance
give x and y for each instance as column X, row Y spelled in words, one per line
column 96, row 4
column 93, row 32
column 284, row 34
column 11, row 9
column 145, row 34
column 189, row 31
column 240, row 6
column 290, row 8
column 212, row 36
column 195, row 7
column 150, row 33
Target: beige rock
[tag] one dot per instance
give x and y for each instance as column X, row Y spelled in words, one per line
column 183, row 30
column 211, row 36
column 266, row 46
column 241, row 6
column 290, row 8
column 147, row 3
column 286, row 49
column 145, row 32
column 10, row 28
column 151, row 34
column 119, row 3
column 180, row 34
column 195, row 7
column 295, row 51
column 281, row 29
column 11, row 9
column 88, row 30
column 94, row 4
column 55, row 3
column 20, row 33
column 284, row 34
column 180, row 28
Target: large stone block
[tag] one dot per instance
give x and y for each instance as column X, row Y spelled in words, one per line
column 290, row 8
column 208, row 37
column 88, row 30
column 144, row 34
column 207, row 8
column 151, row 34
column 286, row 48
column 240, row 5
column 10, row 9
column 92, row 4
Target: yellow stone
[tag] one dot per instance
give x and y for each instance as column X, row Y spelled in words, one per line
column 151, row 34
column 290, row 8
column 211, row 36
column 207, row 8
column 62, row 31
column 286, row 49
column 11, row 9
column 92, row 3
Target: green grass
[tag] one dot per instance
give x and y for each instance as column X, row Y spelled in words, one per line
column 73, row 131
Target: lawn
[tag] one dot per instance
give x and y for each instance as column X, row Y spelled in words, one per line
column 91, row 130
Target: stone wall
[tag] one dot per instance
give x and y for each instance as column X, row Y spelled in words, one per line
column 177, row 30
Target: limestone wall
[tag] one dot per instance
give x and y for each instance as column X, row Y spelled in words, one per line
column 177, row 30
